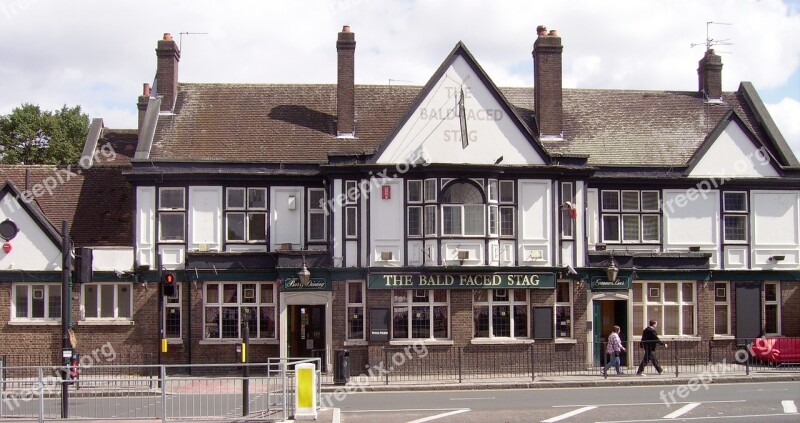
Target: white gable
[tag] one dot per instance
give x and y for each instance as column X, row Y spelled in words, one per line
column 733, row 154
column 434, row 129
column 31, row 249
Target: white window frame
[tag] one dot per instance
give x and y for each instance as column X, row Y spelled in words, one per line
column 257, row 304
column 420, row 189
column 563, row 304
column 98, row 286
column 164, row 211
column 316, row 209
column 506, row 186
column 48, row 287
column 513, row 221
column 623, row 214
column 644, row 302
column 359, row 305
column 430, row 190
column 351, row 231
column 567, row 223
column 492, row 193
column 420, row 224
column 170, row 304
column 462, row 209
column 410, row 304
column 246, row 211
column 739, row 214
column 351, row 192
column 726, row 303
column 777, row 304
column 430, row 230
column 491, row 303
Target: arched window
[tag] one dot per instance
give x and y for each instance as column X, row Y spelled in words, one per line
column 463, row 210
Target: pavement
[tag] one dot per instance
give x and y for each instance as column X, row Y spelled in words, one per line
column 331, row 414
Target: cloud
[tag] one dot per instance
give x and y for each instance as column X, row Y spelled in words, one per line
column 57, row 53
column 785, row 113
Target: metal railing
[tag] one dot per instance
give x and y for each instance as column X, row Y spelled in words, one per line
column 529, row 361
column 124, row 392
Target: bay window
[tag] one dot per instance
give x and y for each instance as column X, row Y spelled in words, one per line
column 500, row 313
column 420, row 314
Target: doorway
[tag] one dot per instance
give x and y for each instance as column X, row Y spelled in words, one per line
column 307, row 332
column 608, row 313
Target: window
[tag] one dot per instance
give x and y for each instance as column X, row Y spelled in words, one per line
column 722, row 309
column 172, row 315
column 421, row 314
column 672, row 304
column 462, row 210
column 355, row 311
column 107, row 301
column 630, row 216
column 171, row 214
column 492, row 190
column 500, row 313
column 351, row 222
column 430, row 221
column 507, row 221
column 563, row 309
column 226, row 305
column 734, row 218
column 430, row 190
column 246, row 214
column 414, row 194
column 351, row 192
column 38, row 302
column 772, row 308
column 507, row 192
column 317, row 228
column 414, row 221
column 567, row 222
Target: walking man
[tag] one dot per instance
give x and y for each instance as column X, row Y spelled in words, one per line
column 614, row 349
column 649, row 342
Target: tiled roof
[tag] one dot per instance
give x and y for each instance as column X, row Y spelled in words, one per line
column 122, row 142
column 297, row 123
column 96, row 203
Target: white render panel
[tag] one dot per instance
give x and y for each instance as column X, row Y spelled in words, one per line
column 172, row 256
column 287, row 205
column 352, row 254
column 338, row 214
column 736, row 257
column 145, row 226
column 386, row 218
column 567, row 249
column 775, row 217
column 205, row 218
column 592, row 218
column 733, row 154
column 535, row 221
column 363, row 219
column 431, row 253
column 690, row 220
column 580, row 239
column 31, row 249
column 433, row 131
column 415, row 253
column 475, row 250
column 112, row 258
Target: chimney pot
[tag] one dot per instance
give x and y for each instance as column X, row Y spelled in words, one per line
column 146, row 89
column 541, row 30
column 553, row 33
column 346, row 28
column 167, row 36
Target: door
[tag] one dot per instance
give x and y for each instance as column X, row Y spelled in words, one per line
column 307, row 331
column 608, row 313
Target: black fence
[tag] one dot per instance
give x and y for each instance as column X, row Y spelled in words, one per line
column 527, row 361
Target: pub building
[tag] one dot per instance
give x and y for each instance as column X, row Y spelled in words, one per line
column 458, row 214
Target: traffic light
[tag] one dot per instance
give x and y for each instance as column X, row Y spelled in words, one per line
column 168, row 285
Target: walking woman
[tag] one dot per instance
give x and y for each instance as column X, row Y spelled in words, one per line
column 614, row 349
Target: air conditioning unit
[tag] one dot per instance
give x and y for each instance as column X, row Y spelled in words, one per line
column 463, row 255
column 285, row 246
column 387, row 256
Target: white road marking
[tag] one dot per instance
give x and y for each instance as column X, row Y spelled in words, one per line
column 762, row 390
column 683, row 410
column 570, row 414
column 439, row 416
column 470, row 399
column 635, row 403
column 789, row 407
column 697, row 418
column 399, row 410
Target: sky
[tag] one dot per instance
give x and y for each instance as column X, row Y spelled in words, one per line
column 97, row 54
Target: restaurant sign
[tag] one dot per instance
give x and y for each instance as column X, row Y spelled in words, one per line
column 314, row 284
column 462, row 280
column 601, row 283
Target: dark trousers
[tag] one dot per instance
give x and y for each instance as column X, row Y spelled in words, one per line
column 649, row 355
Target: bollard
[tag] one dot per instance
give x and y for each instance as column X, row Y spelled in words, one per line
column 305, row 392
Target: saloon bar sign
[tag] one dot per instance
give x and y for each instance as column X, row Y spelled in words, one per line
column 462, row 280
column 601, row 283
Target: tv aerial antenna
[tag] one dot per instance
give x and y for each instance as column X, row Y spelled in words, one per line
column 711, row 42
column 180, row 37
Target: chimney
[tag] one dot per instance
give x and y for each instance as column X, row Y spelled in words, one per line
column 141, row 104
column 167, row 71
column 547, row 83
column 345, row 83
column 709, row 72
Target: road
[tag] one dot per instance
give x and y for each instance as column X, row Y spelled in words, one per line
column 739, row 402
